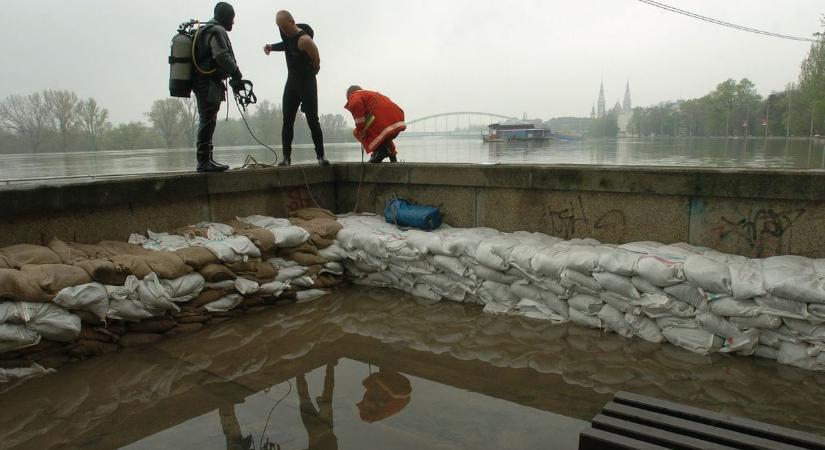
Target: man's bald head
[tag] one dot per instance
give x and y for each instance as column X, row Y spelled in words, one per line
column 283, row 17
column 352, row 89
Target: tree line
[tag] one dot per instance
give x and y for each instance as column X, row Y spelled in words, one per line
column 58, row 120
column 735, row 108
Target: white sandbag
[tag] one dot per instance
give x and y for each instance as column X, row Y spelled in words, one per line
column 619, row 303
column 223, row 251
column 243, row 246
column 310, row 295
column 379, row 279
column 782, row 307
column 16, row 336
column 275, row 288
column 220, row 229
column 523, row 289
column 696, row 340
column 447, row 288
column 127, row 310
column 660, row 271
column 677, row 322
column 168, row 242
column 643, row 247
column 304, row 281
column 744, row 344
column 581, row 258
column 746, row 279
column 499, row 293
column 586, row 304
column 762, row 321
column 498, row 308
column 614, row 320
column 289, row 236
column 765, row 352
column 420, row 241
column 91, row 297
column 423, row 291
column 644, row 328
column 333, row 253
column 807, row 331
column 645, row 287
column 580, row 282
column 618, row 261
column 617, row 284
column 796, row 355
column 808, row 288
column 728, row 307
column 55, row 323
column 487, row 253
column 773, row 339
column 555, row 287
column 709, row 275
column 289, row 273
column 450, row 264
column 19, row 373
column 717, row 325
column 537, row 309
column 281, row 263
column 246, row 287
column 153, row 296
column 550, row 262
column 817, row 310
column 579, row 318
column 13, row 312
column 225, row 304
column 333, row 268
column 559, row 306
column 689, row 294
column 265, row 221
column 655, row 305
column 486, row 273
column 185, row 288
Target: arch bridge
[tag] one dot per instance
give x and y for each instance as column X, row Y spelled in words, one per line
column 459, row 123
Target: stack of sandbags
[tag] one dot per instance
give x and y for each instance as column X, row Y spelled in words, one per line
column 692, row 297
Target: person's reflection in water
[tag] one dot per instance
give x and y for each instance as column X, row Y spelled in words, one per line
column 318, row 422
column 388, row 392
column 232, row 429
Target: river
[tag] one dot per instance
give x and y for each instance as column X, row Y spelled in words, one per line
column 691, row 152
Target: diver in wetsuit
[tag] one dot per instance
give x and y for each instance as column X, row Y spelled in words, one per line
column 303, row 63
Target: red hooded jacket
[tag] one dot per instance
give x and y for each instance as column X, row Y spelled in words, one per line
column 387, row 118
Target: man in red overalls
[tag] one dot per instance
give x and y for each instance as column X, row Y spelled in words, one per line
column 377, row 122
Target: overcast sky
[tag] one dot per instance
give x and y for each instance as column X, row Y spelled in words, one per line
column 540, row 57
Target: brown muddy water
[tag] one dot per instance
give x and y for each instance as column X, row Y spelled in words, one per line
column 377, row 369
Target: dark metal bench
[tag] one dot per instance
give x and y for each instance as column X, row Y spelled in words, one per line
column 634, row 421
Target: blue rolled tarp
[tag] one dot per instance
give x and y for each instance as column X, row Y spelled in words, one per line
column 407, row 214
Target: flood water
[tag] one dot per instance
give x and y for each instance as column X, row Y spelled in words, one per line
column 373, row 368
column 698, row 152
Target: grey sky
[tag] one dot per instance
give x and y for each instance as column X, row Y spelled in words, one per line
column 543, row 58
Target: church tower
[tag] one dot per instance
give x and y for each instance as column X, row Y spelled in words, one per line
column 626, row 114
column 593, row 112
column 626, row 106
column 601, row 111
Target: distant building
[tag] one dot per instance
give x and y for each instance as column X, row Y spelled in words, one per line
column 624, row 110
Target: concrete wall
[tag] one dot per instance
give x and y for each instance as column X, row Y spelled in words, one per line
column 112, row 209
column 749, row 212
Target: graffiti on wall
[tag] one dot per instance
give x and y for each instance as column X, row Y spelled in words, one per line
column 570, row 219
column 765, row 231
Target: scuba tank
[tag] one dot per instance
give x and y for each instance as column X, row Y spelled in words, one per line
column 180, row 61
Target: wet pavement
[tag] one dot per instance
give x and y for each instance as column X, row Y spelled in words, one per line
column 373, row 368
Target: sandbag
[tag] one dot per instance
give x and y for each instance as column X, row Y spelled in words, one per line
column 617, row 284
column 709, row 275
column 644, row 328
column 310, row 295
column 660, row 271
column 103, row 271
column 19, row 255
column 55, row 323
column 615, row 321
column 215, row 273
column 18, row 286
column 184, row 288
column 54, row 277
column 67, row 253
column 696, row 340
column 224, row 304
column 208, row 296
column 197, row 257
column 312, row 213
column 91, row 297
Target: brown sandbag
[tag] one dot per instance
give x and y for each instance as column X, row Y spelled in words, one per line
column 123, row 248
column 184, row 329
column 168, row 265
column 97, row 334
column 4, row 264
column 88, row 319
column 215, row 273
column 17, row 286
column 19, row 255
column 251, row 302
column 328, row 281
column 307, row 259
column 327, row 228
column 153, row 325
column 90, row 347
column 92, row 251
column 260, row 271
column 132, row 265
column 192, row 232
column 314, row 269
column 67, row 253
column 103, row 271
column 261, row 237
column 197, row 257
column 321, row 242
column 134, row 339
column 54, row 277
column 312, row 213
column 208, row 296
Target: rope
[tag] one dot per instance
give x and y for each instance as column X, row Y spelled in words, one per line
column 263, row 433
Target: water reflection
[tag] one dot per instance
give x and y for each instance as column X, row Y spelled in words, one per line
column 340, row 373
column 697, row 152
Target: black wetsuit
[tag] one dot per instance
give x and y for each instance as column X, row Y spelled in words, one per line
column 301, row 89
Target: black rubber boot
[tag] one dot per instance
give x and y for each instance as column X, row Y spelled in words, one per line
column 379, row 155
column 205, row 164
column 212, row 160
column 393, row 158
column 320, row 155
column 287, row 160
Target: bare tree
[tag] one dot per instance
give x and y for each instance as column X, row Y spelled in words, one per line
column 190, row 120
column 93, row 119
column 167, row 116
column 63, row 109
column 27, row 116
